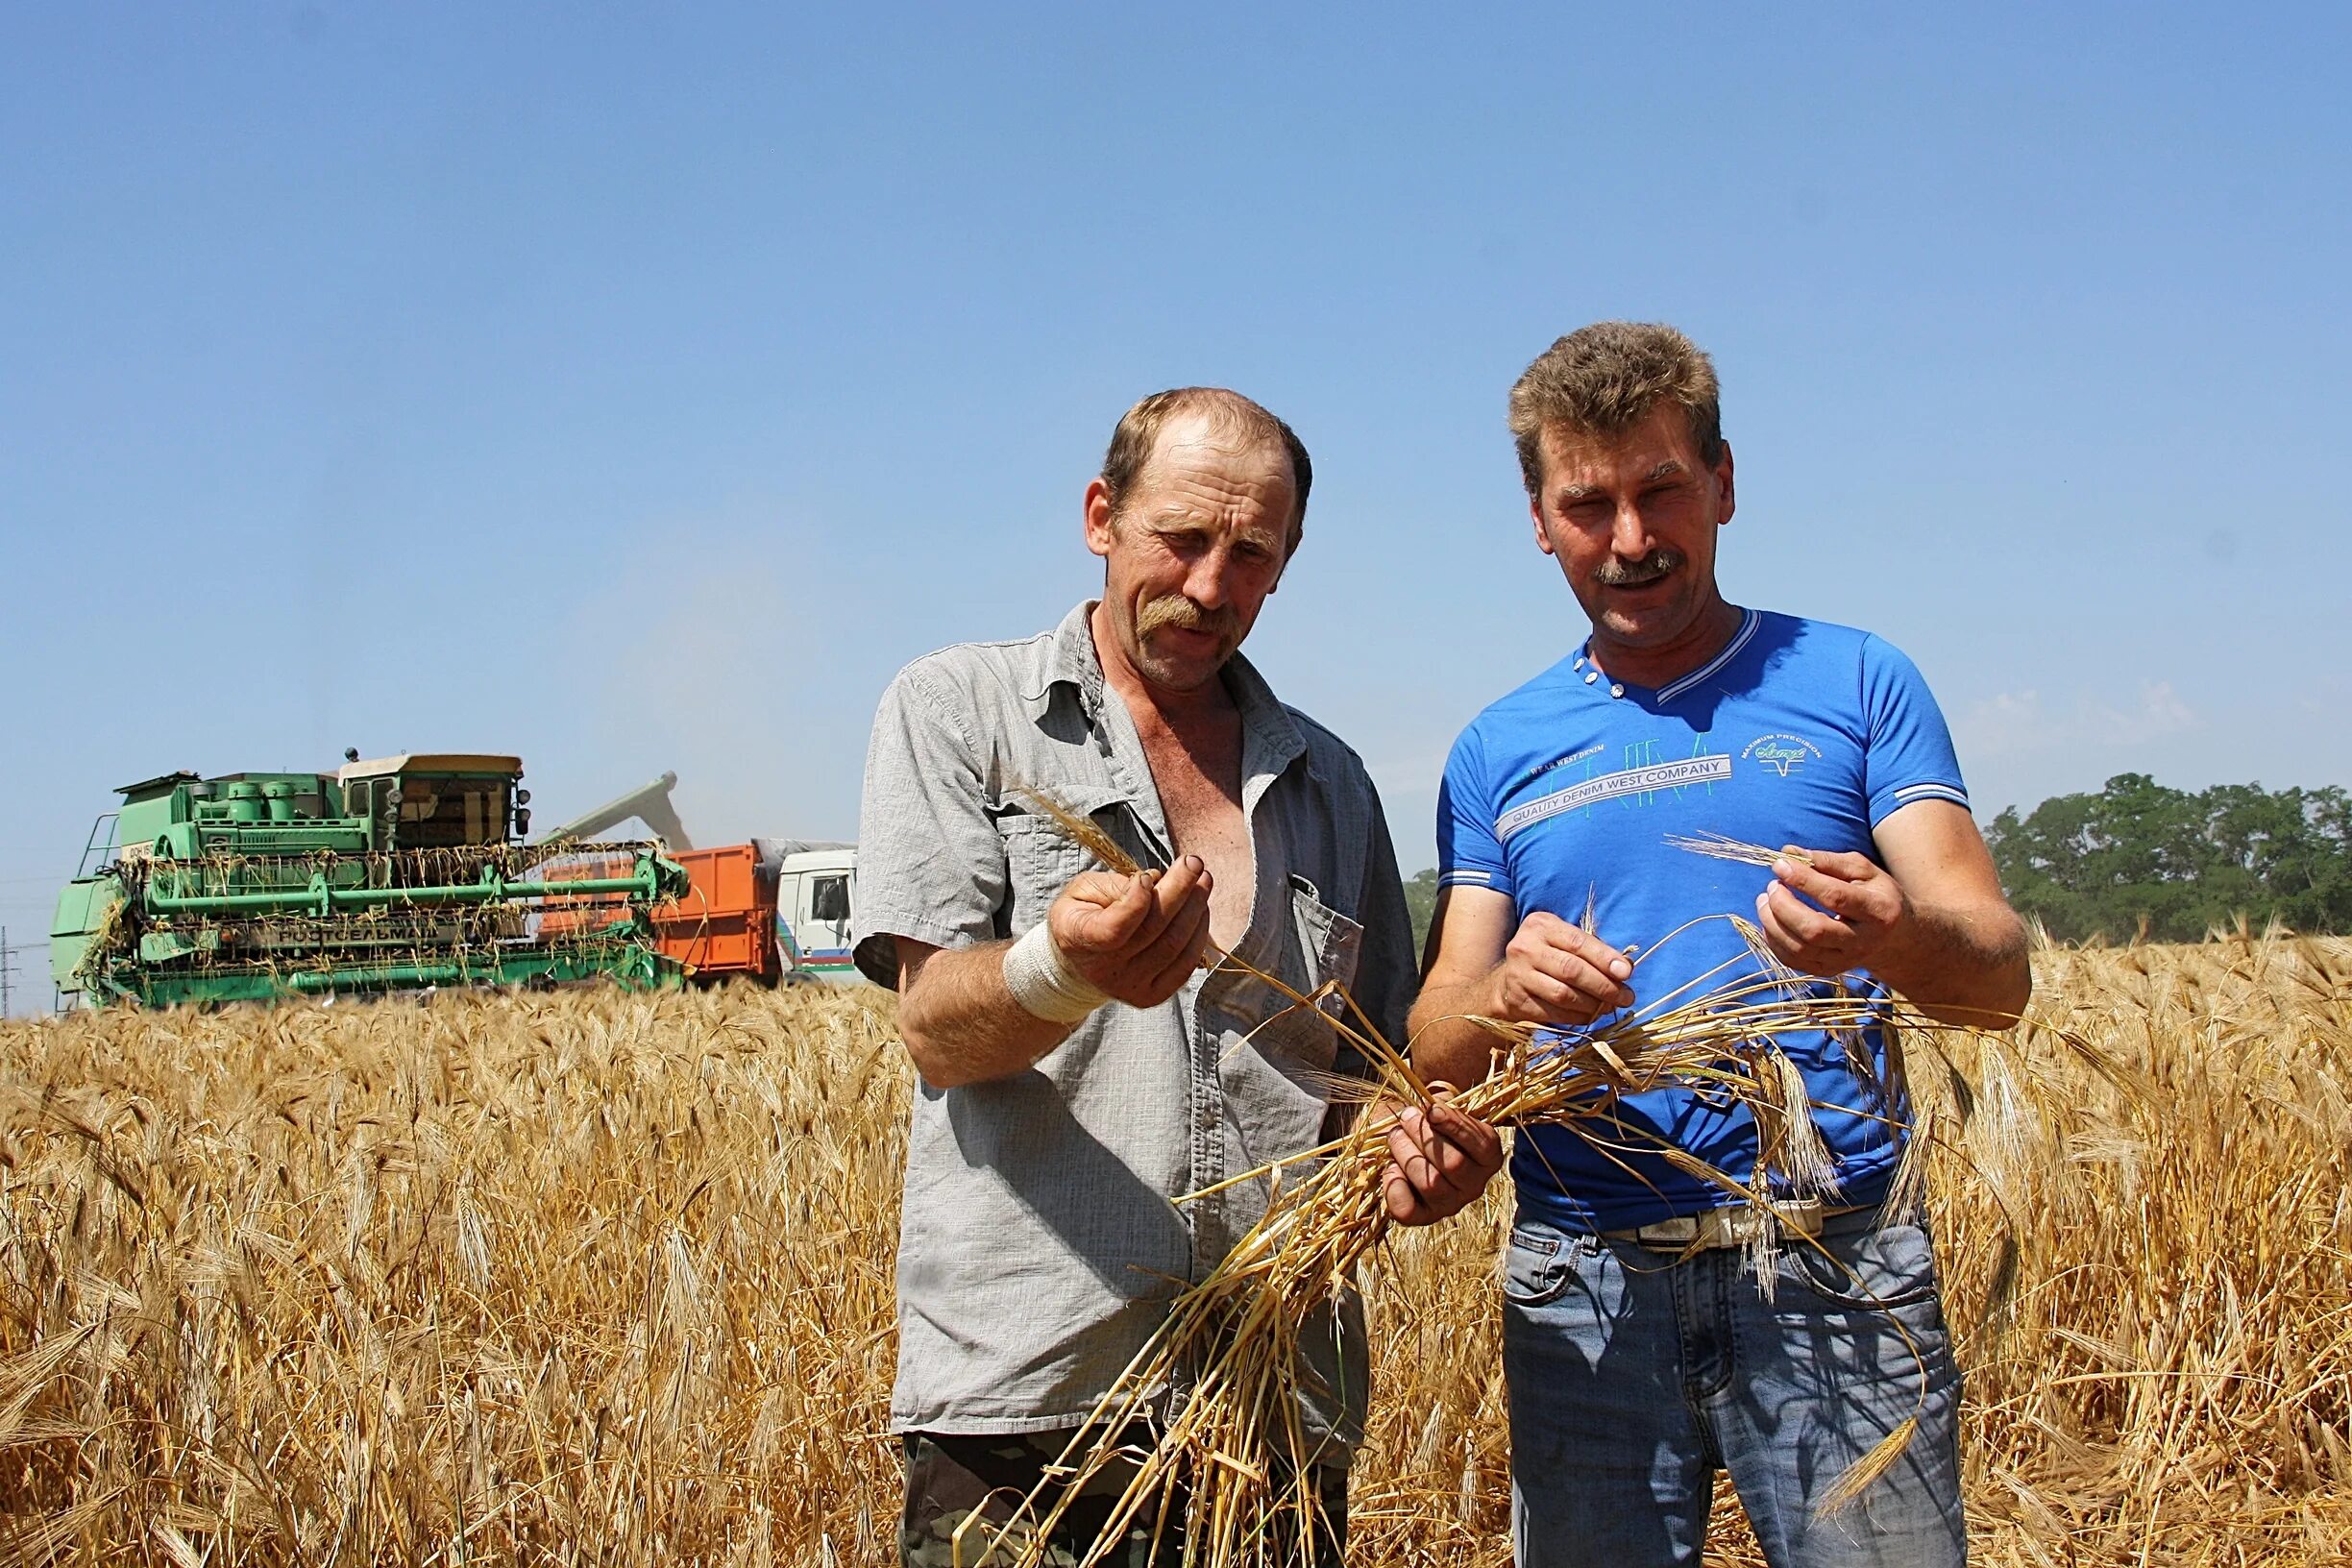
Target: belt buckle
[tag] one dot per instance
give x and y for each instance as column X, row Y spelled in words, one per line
column 1745, row 1224
column 1800, row 1216
column 1681, row 1231
column 1733, row 1225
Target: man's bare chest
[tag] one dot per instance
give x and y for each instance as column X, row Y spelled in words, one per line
column 1199, row 781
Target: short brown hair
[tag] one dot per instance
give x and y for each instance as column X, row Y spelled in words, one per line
column 1604, row 379
column 1138, row 437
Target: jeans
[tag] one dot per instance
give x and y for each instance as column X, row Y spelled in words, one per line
column 1634, row 1375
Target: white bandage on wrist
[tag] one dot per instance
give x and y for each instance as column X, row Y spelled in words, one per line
column 1045, row 983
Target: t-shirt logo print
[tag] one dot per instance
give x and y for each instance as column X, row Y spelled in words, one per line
column 1783, row 754
column 1628, row 782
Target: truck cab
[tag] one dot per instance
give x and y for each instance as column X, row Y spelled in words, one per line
column 815, row 882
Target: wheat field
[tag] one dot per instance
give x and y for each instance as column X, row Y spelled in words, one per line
column 595, row 1278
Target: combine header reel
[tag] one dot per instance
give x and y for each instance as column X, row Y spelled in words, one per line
column 387, row 876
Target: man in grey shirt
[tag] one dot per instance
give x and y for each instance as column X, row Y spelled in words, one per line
column 1080, row 1070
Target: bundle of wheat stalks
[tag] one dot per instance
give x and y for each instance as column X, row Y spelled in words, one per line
column 1229, row 1441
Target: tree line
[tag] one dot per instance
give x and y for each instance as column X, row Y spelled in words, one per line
column 2138, row 860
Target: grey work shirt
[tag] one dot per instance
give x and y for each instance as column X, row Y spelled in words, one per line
column 1039, row 1244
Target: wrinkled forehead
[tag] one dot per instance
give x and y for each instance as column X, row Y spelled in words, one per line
column 1202, row 472
column 1201, row 446
column 1658, row 445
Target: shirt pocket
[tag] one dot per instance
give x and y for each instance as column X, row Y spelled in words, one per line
column 1041, row 859
column 1330, row 946
column 1319, row 945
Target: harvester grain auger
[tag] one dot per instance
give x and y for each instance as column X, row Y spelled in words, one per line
column 393, row 875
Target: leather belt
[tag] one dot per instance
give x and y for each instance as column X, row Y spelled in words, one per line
column 1733, row 1225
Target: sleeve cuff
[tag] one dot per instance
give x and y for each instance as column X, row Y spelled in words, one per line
column 875, row 952
column 1892, row 802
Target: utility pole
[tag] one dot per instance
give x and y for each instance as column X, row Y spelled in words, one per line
column 7, row 970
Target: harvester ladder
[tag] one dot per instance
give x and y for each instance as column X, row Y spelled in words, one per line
column 105, row 851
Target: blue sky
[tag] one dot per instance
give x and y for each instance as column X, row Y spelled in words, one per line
column 632, row 387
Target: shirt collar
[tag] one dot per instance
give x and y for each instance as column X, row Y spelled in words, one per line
column 1071, row 660
column 1593, row 675
column 1270, row 735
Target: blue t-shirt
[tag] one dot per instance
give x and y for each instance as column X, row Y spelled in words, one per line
column 1798, row 732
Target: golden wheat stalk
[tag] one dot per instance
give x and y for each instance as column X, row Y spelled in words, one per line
column 1079, row 829
column 1722, row 846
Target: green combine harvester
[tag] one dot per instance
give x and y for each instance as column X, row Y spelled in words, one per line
column 394, row 874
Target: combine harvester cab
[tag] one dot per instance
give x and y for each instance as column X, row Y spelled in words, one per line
column 394, row 874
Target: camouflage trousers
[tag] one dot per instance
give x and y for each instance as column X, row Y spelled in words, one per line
column 968, row 1485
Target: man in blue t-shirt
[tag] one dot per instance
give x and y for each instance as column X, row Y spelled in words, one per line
column 1642, row 1353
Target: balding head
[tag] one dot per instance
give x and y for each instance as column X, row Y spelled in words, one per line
column 1227, row 413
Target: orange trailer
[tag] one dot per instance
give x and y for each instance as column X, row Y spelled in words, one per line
column 724, row 924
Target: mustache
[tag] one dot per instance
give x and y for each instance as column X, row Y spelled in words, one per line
column 1180, row 612
column 1616, row 574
